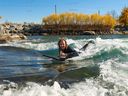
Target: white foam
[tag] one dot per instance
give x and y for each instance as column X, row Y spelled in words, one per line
column 80, row 89
column 101, row 45
column 116, row 76
column 113, row 79
column 90, row 87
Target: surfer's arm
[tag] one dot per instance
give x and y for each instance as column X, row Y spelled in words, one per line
column 69, row 53
column 72, row 54
column 62, row 54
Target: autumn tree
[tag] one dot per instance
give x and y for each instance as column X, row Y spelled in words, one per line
column 51, row 20
column 82, row 19
column 108, row 20
column 95, row 19
column 123, row 19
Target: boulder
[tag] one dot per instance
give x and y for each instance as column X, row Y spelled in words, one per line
column 18, row 37
column 9, row 38
column 5, row 38
column 89, row 33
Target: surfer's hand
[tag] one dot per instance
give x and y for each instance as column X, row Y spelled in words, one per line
column 63, row 56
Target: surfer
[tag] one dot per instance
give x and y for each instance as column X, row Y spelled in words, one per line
column 65, row 51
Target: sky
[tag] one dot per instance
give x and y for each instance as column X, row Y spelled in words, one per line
column 20, row 11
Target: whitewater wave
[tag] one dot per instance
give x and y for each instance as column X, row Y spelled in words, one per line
column 102, row 48
column 112, row 57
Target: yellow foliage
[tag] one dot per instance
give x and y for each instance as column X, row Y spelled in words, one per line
column 95, row 19
column 108, row 20
column 82, row 19
column 123, row 19
column 78, row 19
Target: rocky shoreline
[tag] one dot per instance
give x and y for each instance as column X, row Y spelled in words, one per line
column 13, row 31
column 27, row 29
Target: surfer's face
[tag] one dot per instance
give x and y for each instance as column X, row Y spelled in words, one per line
column 62, row 45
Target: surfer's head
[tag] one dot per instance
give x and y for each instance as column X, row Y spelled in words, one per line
column 62, row 44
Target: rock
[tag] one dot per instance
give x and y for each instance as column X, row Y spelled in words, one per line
column 44, row 34
column 3, row 41
column 5, row 38
column 125, row 32
column 22, row 36
column 89, row 33
column 16, row 37
column 9, row 38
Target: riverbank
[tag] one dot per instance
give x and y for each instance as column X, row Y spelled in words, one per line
column 13, row 31
column 31, row 29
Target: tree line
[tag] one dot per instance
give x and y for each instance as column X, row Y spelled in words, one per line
column 79, row 19
column 85, row 19
column 78, row 24
column 71, row 22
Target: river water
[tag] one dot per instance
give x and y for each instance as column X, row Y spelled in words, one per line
column 100, row 70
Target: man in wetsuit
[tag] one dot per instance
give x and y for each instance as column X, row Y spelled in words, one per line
column 66, row 51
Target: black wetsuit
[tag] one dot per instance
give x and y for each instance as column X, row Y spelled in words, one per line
column 73, row 53
column 70, row 53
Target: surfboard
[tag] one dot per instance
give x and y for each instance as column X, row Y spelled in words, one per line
column 71, row 55
column 55, row 58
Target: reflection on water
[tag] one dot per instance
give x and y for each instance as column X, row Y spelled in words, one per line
column 21, row 65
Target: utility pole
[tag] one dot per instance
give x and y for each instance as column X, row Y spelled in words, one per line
column 55, row 10
column 99, row 12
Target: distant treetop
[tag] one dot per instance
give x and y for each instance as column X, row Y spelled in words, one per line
column 123, row 19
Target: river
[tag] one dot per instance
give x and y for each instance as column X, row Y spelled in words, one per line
column 101, row 70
